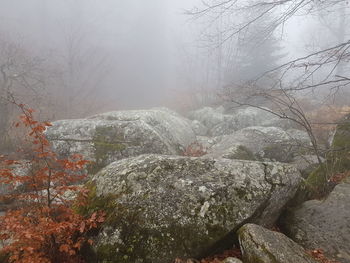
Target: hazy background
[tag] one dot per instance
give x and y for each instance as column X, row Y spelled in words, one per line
column 127, row 51
column 115, row 54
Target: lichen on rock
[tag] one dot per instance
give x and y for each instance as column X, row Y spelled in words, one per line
column 171, row 206
column 108, row 142
column 337, row 161
column 260, row 245
column 323, row 223
column 112, row 136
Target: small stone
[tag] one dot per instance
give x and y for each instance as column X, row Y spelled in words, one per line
column 231, row 260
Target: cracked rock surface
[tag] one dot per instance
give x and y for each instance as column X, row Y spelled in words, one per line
column 260, row 245
column 264, row 142
column 219, row 122
column 176, row 206
column 324, row 223
column 111, row 136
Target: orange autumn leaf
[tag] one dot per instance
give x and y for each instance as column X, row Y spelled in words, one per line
column 43, row 226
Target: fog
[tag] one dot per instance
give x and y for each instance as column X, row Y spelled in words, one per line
column 115, row 54
column 128, row 51
column 160, row 130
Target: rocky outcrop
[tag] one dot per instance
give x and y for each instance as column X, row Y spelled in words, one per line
column 23, row 168
column 165, row 207
column 212, row 118
column 264, row 246
column 251, row 116
column 306, row 163
column 208, row 142
column 341, row 145
column 262, row 142
column 198, row 128
column 220, row 123
column 317, row 183
column 323, row 224
column 111, row 136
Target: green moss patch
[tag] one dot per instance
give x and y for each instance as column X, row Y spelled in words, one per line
column 242, row 153
column 107, row 142
column 140, row 236
column 283, row 153
column 337, row 161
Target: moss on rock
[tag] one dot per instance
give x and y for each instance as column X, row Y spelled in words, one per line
column 134, row 242
column 164, row 207
column 97, row 203
column 131, row 239
column 278, row 153
column 317, row 183
column 260, row 245
column 106, row 142
column 241, row 153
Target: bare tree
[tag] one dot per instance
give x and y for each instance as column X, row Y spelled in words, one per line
column 256, row 51
column 336, row 30
column 281, row 12
column 20, row 77
column 319, row 74
column 81, row 71
column 315, row 72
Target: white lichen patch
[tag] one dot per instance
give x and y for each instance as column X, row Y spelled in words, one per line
column 204, row 209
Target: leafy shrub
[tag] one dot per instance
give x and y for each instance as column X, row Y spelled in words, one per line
column 43, row 226
column 195, row 150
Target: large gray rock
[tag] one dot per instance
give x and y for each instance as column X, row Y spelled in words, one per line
column 111, row 136
column 306, row 163
column 228, row 126
column 212, row 118
column 251, row 116
column 22, row 168
column 198, row 128
column 220, row 123
column 323, row 224
column 264, row 142
column 172, row 206
column 208, row 142
column 260, row 245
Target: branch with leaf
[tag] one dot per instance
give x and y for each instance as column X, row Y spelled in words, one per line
column 43, row 226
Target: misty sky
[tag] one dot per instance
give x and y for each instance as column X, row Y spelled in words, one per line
column 131, row 53
column 137, row 40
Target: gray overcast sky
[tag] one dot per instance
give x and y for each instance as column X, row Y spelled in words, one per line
column 140, row 46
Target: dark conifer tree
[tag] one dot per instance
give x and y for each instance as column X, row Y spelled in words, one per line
column 258, row 49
